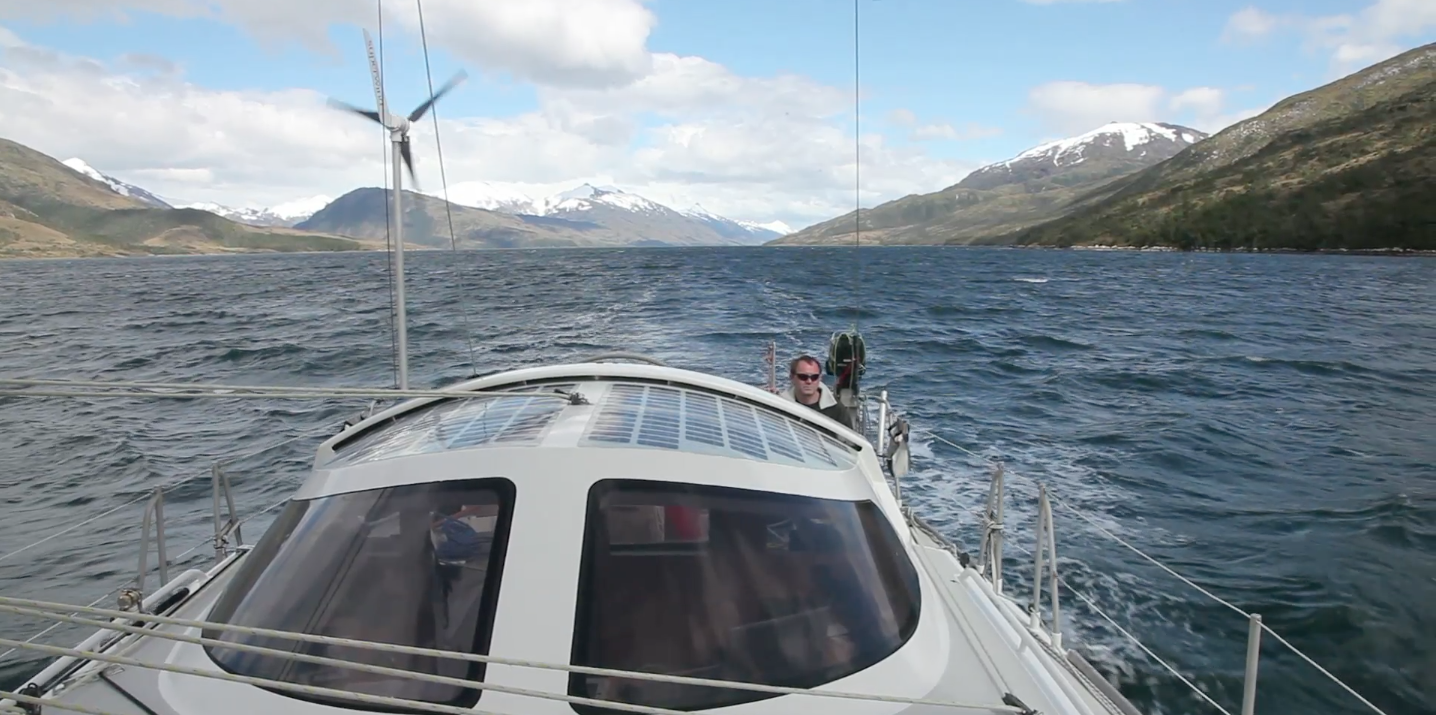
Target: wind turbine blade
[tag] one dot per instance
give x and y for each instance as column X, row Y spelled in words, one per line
column 351, row 108
column 452, row 83
column 409, row 162
column 378, row 78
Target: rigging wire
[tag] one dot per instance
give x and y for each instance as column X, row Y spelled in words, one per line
column 857, row 174
column 388, row 218
column 448, row 210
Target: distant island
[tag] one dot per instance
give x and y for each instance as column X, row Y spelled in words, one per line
column 1350, row 165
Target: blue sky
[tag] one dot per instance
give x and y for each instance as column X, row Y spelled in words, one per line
column 982, row 81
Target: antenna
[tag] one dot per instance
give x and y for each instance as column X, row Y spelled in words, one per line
column 398, row 127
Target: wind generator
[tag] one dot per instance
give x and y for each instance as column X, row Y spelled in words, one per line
column 398, row 127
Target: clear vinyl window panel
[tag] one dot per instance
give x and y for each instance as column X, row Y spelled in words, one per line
column 415, row 565
column 461, row 423
column 733, row 584
column 664, row 417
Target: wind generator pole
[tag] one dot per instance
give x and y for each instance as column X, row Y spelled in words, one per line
column 401, row 324
column 398, row 128
column 397, row 131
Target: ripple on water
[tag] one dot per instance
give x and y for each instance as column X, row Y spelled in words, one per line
column 1266, row 432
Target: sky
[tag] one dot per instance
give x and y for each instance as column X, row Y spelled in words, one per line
column 750, row 108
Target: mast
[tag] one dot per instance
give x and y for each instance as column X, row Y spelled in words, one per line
column 398, row 131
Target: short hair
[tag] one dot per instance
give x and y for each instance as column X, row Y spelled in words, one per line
column 793, row 366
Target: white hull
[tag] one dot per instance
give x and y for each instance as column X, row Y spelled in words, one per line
column 970, row 649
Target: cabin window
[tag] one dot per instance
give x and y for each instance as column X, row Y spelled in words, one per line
column 415, row 565
column 733, row 584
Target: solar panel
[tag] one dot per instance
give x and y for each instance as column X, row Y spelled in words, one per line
column 505, row 419
column 459, row 424
column 664, row 417
column 629, row 414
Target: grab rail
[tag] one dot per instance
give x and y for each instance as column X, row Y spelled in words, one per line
column 991, row 557
column 1046, row 538
column 122, row 622
column 155, row 510
column 227, row 524
column 230, row 524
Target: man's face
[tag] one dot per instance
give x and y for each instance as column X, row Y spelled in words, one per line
column 806, row 377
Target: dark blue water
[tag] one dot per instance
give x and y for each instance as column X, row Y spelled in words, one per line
column 1266, row 424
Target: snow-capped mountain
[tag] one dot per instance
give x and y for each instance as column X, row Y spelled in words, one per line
column 490, row 196
column 584, row 208
column 742, row 231
column 644, row 221
column 1131, row 136
column 778, row 227
column 1010, row 195
column 119, row 187
column 286, row 214
column 613, row 207
column 1109, row 149
column 589, row 197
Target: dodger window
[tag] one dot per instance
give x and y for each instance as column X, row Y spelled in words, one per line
column 734, row 584
column 415, row 565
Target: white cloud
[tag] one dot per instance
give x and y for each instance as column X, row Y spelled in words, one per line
column 1069, row 107
column 945, row 131
column 690, row 131
column 902, row 117
column 1378, row 32
column 930, row 132
column 938, row 131
column 558, row 42
column 1251, row 23
column 1205, row 101
column 180, row 136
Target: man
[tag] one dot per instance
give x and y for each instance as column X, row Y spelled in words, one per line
column 807, row 388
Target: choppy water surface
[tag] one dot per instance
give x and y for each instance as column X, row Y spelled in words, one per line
column 1264, row 424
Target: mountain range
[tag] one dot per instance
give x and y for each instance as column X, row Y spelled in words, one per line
column 584, row 216
column 485, row 216
column 285, row 214
column 50, row 209
column 1348, row 165
column 1027, row 189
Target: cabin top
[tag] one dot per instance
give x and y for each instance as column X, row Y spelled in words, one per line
column 613, row 412
column 666, row 522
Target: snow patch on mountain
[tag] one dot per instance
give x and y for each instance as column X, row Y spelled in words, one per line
column 119, row 187
column 286, row 214
column 490, row 196
column 778, row 227
column 697, row 211
column 588, row 197
column 748, row 231
column 1133, row 135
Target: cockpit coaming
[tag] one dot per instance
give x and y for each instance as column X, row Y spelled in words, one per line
column 685, row 525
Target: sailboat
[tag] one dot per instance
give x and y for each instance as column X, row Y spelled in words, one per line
column 608, row 535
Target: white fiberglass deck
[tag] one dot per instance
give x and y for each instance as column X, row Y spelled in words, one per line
column 669, row 522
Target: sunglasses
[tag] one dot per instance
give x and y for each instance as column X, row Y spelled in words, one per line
column 807, row 376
